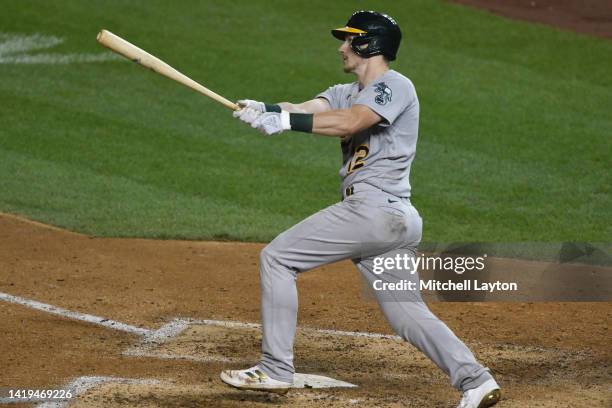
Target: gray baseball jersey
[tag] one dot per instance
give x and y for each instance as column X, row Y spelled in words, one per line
column 381, row 155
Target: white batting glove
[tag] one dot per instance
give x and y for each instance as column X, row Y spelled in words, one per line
column 271, row 123
column 255, row 105
column 247, row 115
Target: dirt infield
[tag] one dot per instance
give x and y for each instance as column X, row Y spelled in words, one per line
column 543, row 354
column 592, row 17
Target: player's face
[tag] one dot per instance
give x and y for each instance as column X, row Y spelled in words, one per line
column 349, row 58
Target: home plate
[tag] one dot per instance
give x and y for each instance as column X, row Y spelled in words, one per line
column 317, row 381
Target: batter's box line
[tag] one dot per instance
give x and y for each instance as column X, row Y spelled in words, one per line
column 178, row 325
column 72, row 315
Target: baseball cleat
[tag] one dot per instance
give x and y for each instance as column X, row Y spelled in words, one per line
column 487, row 395
column 254, row 379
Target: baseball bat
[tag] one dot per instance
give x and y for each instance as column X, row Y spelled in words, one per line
column 139, row 56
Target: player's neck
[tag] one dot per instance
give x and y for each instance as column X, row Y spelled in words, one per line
column 372, row 69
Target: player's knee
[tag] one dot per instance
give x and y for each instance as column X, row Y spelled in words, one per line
column 266, row 256
column 271, row 261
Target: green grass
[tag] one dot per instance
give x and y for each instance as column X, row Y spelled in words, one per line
column 515, row 122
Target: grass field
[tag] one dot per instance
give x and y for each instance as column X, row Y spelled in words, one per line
column 514, row 142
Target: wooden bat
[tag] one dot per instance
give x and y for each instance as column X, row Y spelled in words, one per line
column 139, row 56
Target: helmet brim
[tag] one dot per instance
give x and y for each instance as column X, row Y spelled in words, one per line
column 342, row 32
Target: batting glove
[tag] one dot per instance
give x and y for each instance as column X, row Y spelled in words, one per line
column 247, row 115
column 255, row 105
column 272, row 123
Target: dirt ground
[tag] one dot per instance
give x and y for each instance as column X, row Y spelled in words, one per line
column 543, row 354
column 592, row 17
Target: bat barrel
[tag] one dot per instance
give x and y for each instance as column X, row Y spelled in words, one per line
column 140, row 56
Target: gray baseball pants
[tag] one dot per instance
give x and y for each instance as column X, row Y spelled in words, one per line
column 368, row 224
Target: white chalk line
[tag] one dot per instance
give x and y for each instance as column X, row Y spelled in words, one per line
column 59, row 58
column 16, row 43
column 14, row 49
column 242, row 325
column 166, row 332
column 69, row 314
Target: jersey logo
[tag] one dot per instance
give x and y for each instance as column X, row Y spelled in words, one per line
column 383, row 93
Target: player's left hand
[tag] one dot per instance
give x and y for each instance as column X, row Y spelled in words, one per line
column 247, row 115
column 271, row 123
column 255, row 105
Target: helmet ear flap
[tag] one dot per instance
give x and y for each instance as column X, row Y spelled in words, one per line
column 367, row 45
column 360, row 45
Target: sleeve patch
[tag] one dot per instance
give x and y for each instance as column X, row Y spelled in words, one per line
column 383, row 93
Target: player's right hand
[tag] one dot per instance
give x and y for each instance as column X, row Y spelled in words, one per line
column 255, row 105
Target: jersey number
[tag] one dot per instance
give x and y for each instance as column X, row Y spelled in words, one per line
column 361, row 152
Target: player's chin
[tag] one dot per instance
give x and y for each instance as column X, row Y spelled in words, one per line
column 345, row 64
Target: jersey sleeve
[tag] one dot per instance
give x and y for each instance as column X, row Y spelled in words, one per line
column 332, row 95
column 387, row 98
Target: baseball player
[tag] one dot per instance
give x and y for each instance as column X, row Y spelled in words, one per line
column 376, row 118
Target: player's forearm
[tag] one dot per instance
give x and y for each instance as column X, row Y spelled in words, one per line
column 292, row 108
column 341, row 123
column 337, row 123
column 315, row 105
